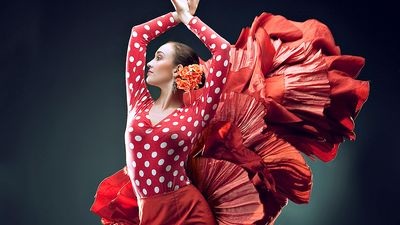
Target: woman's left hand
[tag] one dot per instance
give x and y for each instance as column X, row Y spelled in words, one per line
column 193, row 6
column 181, row 6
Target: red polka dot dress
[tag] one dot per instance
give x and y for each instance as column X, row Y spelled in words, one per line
column 156, row 154
column 287, row 93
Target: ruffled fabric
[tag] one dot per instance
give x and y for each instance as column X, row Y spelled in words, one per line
column 288, row 91
column 115, row 201
column 310, row 99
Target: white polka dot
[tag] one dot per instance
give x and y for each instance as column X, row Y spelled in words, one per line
column 147, row 164
column 171, row 19
column 144, row 191
column 147, row 27
column 134, row 33
column 170, row 184
column 138, row 138
column 131, row 59
column 161, row 179
column 163, row 145
column 189, row 119
column 137, row 182
column 213, row 36
column 182, row 177
column 157, row 32
column 218, row 57
column 175, row 123
column 148, row 181
column 206, row 117
column 226, row 62
column 176, row 188
column 211, row 70
column 133, row 163
column 203, row 124
column 183, row 128
column 156, row 189
column 215, row 106
column 194, row 21
column 216, row 91
column 137, row 45
column 161, row 162
column 155, row 138
column 218, row 74
column 196, row 123
column 209, row 99
column 141, row 173
column 182, row 163
column 139, row 155
column 185, row 148
column 159, row 23
column 174, row 136
column 203, row 28
column 165, row 130
column 189, row 133
column 154, row 172
column 170, row 152
column 154, row 154
column 139, row 63
column 148, row 131
column 145, row 36
column 212, row 46
column 176, row 158
column 202, row 112
column 181, row 142
column 131, row 146
column 223, row 46
column 147, row 146
column 140, row 124
column 168, row 168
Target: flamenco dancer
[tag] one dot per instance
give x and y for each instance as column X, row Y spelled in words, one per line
column 223, row 142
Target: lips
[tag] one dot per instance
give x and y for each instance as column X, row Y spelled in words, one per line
column 150, row 72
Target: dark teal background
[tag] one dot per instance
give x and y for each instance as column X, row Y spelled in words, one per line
column 63, row 104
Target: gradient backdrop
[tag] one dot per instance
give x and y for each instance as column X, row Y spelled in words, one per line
column 63, row 104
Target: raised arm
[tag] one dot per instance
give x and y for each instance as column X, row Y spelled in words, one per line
column 140, row 36
column 208, row 101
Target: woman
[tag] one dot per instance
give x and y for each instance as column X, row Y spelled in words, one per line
column 231, row 155
column 160, row 133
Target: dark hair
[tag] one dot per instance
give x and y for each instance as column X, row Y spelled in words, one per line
column 185, row 55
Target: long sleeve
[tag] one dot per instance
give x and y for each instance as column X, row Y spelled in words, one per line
column 207, row 103
column 140, row 36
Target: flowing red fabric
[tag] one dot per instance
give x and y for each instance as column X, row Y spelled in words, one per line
column 289, row 91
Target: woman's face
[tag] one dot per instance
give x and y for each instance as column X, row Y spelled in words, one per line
column 161, row 67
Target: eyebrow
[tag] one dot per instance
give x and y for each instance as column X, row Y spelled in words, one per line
column 160, row 52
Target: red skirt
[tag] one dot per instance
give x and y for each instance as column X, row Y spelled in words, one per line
column 183, row 206
column 288, row 91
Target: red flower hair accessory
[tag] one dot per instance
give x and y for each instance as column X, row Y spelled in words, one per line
column 189, row 77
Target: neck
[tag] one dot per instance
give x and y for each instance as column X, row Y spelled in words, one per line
column 168, row 99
